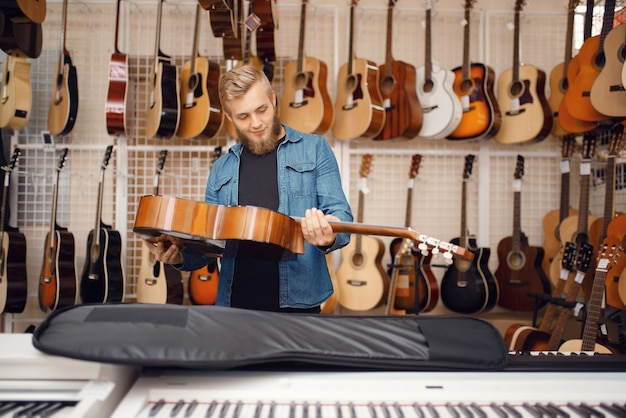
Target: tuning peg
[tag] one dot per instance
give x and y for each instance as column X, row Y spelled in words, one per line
column 447, row 257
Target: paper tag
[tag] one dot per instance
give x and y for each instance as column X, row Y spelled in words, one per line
column 517, row 185
column 363, row 185
column 579, row 277
column 564, row 167
column 585, row 168
column 465, row 102
column 252, row 22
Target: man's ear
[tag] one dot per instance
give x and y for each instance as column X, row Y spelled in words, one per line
column 228, row 116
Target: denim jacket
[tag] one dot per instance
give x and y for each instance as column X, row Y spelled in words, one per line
column 308, row 177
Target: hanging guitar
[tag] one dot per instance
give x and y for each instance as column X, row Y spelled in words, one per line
column 25, row 37
column 13, row 278
column 469, row 287
column 103, row 279
column 16, row 95
column 202, row 287
column 64, row 103
column 222, row 15
column 57, row 280
column 265, row 35
column 306, row 104
column 403, row 271
column 397, row 84
column 115, row 107
column 359, row 111
column 200, row 110
column 608, row 95
column 158, row 282
column 163, row 113
column 25, row 10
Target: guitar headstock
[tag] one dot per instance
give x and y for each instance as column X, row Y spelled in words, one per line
column 573, row 4
column 415, row 165
column 519, row 168
column 589, row 145
column 584, row 256
column 568, row 145
column 62, row 159
column 428, row 4
column 16, row 156
column 616, row 141
column 608, row 253
column 161, row 163
column 366, row 165
column 392, row 3
column 519, row 5
column 467, row 168
column 107, row 156
column 469, row 4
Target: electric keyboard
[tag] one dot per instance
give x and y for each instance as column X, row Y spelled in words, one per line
column 34, row 384
column 371, row 394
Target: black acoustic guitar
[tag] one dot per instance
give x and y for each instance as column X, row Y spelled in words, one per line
column 103, row 277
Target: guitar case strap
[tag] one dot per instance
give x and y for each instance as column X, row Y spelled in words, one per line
column 215, row 337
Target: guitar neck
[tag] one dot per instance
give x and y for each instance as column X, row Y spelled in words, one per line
column 301, row 40
column 590, row 329
column 466, row 45
column 388, row 48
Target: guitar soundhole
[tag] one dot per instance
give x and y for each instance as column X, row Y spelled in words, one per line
column 516, row 89
column 516, row 260
column 600, row 60
column 429, row 85
column 302, row 80
column 387, row 85
column 353, row 83
column 467, row 87
column 358, row 260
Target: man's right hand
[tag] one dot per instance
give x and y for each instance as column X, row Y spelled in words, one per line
column 165, row 249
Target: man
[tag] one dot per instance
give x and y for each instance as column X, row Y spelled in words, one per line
column 278, row 168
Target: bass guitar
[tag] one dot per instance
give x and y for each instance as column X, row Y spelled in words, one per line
column 16, row 97
column 519, row 272
column 13, row 278
column 115, row 107
column 103, row 279
column 58, row 280
column 608, row 95
column 359, row 111
column 163, row 113
column 469, row 286
column 25, row 10
column 64, row 103
column 473, row 85
column 362, row 281
column 441, row 108
column 306, row 104
column 526, row 114
column 158, row 282
column 403, row 111
column 200, row 110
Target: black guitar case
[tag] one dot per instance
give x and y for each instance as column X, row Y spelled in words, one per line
column 213, row 337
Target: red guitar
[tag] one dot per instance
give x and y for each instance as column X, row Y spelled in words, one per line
column 115, row 107
column 403, row 111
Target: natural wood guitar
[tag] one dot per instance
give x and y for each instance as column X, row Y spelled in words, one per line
column 397, row 84
column 25, row 10
column 200, row 108
column 473, row 85
column 16, row 96
column 608, row 95
column 58, row 280
column 13, row 277
column 526, row 114
column 359, row 111
column 305, row 104
column 116, row 103
column 102, row 280
column 64, row 103
column 163, row 113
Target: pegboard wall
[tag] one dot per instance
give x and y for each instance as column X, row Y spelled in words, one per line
column 436, row 207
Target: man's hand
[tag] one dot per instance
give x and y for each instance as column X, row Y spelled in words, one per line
column 165, row 249
column 316, row 228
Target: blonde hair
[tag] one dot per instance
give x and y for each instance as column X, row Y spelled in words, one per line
column 238, row 81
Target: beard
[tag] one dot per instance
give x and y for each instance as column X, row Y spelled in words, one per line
column 264, row 146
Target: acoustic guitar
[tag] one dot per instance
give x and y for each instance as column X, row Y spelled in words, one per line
column 115, row 106
column 102, row 280
column 202, row 285
column 58, row 280
column 469, row 287
column 232, row 44
column 200, row 108
column 591, row 57
column 441, row 108
column 362, row 281
column 158, row 282
column 608, row 95
column 473, row 85
column 519, row 271
column 25, row 10
column 402, row 273
column 526, row 114
column 264, row 35
column 305, row 104
column 16, row 97
column 25, row 37
column 359, row 111
column 64, row 102
column 222, row 15
column 397, row 84
column 163, row 113
column 13, row 277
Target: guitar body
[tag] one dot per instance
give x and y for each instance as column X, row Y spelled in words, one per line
column 552, row 243
column 25, row 10
column 469, row 287
column 526, row 114
column 314, row 112
column 403, row 112
column 158, row 282
column 359, row 111
column 608, row 95
column 221, row 16
column 577, row 100
column 13, row 278
column 558, row 87
column 16, row 96
column 481, row 113
column 102, row 280
column 427, row 285
column 567, row 121
column 576, row 346
column 518, row 274
column 20, row 37
column 615, row 284
column 164, row 111
column 203, row 285
column 64, row 102
column 441, row 108
column 526, row 338
column 115, row 107
column 361, row 280
column 200, row 108
column 57, row 281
